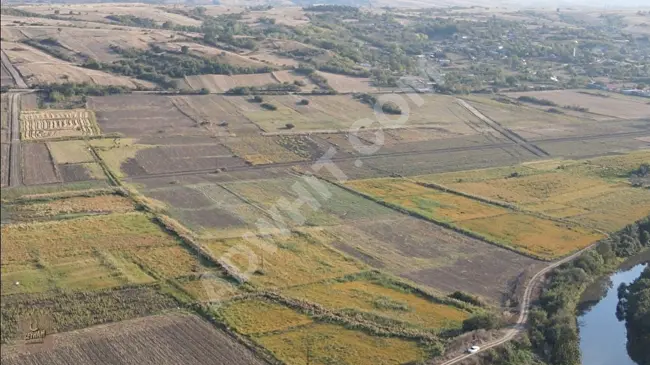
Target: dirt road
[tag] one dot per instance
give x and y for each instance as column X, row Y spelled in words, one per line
column 524, row 308
column 504, row 131
column 13, row 112
column 20, row 83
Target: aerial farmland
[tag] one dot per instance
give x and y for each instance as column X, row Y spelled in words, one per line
column 211, row 184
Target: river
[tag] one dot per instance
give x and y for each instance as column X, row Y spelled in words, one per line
column 602, row 336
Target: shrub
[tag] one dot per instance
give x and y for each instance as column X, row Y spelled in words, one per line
column 289, row 126
column 258, row 99
column 303, row 102
column 487, row 320
column 269, row 106
column 204, row 91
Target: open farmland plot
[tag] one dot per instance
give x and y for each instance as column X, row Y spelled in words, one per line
column 372, row 297
column 181, row 158
column 322, row 203
column 223, row 83
column 431, row 255
column 99, row 12
column 218, row 114
column 142, row 115
column 525, row 233
column 37, row 165
column 310, row 260
column 260, row 150
column 38, row 67
column 350, row 84
column 286, row 334
column 607, row 105
column 100, row 204
column 217, row 54
column 162, row 339
column 597, row 146
column 44, row 124
column 75, row 310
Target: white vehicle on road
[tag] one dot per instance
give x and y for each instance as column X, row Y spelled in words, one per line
column 473, row 349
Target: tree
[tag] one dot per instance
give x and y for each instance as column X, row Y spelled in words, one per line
column 185, row 49
column 289, row 126
column 168, row 25
column 204, row 91
column 57, row 12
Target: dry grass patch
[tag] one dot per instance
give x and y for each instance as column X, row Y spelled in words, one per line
column 532, row 235
column 281, row 261
column 23, row 279
column 65, row 152
column 43, row 124
column 168, row 262
column 431, row 203
column 331, row 344
column 82, row 273
column 74, row 205
column 383, row 301
column 50, row 240
column 260, row 316
column 259, row 150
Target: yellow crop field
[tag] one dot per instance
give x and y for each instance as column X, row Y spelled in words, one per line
column 383, row 301
column 43, row 124
column 281, row 261
column 475, row 175
column 168, row 262
column 51, row 240
column 70, row 152
column 532, row 235
column 431, row 203
column 330, row 344
column 259, row 150
column 210, row 289
column 260, row 316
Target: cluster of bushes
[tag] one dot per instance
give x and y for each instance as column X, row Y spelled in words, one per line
column 133, row 21
column 282, row 88
column 269, row 106
column 51, row 46
column 577, row 108
column 58, row 92
column 388, row 107
column 537, row 101
column 553, row 330
column 157, row 65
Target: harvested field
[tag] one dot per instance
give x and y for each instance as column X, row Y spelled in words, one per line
column 163, row 339
column 95, row 43
column 293, row 77
column 142, row 115
column 525, row 233
column 58, row 239
column 256, row 316
column 432, row 256
column 595, row 147
column 310, row 259
column 210, row 289
column 70, row 152
column 260, row 150
column 351, row 347
column 38, row 67
column 218, row 114
column 28, row 192
column 98, row 12
column 383, row 301
column 609, row 106
column 37, row 165
column 75, row 310
column 71, row 206
column 166, row 159
column 43, row 124
column 350, row 84
column 217, row 54
column 223, row 83
column 202, row 206
column 319, row 202
column 81, row 172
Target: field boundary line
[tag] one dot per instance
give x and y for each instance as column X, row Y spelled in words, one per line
column 509, row 134
column 440, row 223
column 513, row 207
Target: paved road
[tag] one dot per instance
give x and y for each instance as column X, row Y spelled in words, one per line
column 13, row 112
column 20, row 83
column 524, row 309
